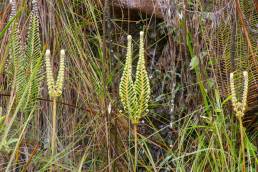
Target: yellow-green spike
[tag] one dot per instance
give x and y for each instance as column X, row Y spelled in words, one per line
column 49, row 72
column 142, row 85
column 126, row 88
column 60, row 77
column 55, row 88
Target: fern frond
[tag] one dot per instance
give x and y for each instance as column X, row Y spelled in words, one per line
column 142, row 85
column 33, row 56
column 15, row 49
column 33, row 49
column 126, row 87
column 31, row 87
column 16, row 67
column 25, row 60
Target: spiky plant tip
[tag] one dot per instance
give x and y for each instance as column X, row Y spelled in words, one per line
column 129, row 38
column 129, row 49
column 141, row 48
column 62, row 52
column 48, row 53
column 232, row 88
column 60, row 77
column 35, row 7
column 245, row 73
column 49, row 73
column 141, row 34
column 245, row 90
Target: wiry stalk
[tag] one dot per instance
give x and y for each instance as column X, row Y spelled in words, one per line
column 53, row 135
column 242, row 143
column 135, row 147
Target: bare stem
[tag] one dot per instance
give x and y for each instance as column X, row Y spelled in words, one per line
column 242, row 143
column 54, row 135
column 135, row 147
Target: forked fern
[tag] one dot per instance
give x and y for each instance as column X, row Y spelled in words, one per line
column 135, row 95
column 55, row 88
column 54, row 91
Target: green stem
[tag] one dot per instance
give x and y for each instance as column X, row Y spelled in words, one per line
column 54, row 135
column 242, row 142
column 135, row 147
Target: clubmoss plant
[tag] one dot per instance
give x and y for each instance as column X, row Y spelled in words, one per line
column 239, row 108
column 135, row 95
column 54, row 91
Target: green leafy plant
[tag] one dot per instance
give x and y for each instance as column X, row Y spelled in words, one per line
column 24, row 71
column 24, row 67
column 24, row 59
column 135, row 95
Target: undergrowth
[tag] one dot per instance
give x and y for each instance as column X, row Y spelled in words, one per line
column 190, row 125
